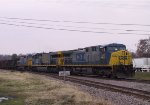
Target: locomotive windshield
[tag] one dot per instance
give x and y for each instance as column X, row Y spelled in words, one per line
column 115, row 48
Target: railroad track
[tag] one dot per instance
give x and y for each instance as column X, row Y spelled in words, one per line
column 109, row 87
column 136, row 80
column 117, row 79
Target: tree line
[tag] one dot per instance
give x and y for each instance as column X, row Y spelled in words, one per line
column 8, row 57
column 143, row 49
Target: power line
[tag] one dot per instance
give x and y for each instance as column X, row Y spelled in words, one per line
column 83, row 22
column 52, row 25
column 135, row 33
column 55, row 28
column 128, row 30
column 62, row 29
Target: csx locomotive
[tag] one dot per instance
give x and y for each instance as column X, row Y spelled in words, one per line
column 112, row 60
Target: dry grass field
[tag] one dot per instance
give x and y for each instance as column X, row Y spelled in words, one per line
column 142, row 75
column 33, row 89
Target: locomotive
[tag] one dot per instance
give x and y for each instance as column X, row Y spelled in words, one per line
column 111, row 60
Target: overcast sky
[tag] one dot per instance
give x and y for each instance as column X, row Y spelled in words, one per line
column 19, row 39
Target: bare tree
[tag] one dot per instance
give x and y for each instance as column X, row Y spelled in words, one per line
column 14, row 56
column 143, row 48
column 134, row 55
column 5, row 57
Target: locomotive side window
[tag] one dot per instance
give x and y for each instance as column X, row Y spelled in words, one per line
column 102, row 50
column 113, row 48
column 93, row 48
column 87, row 50
column 122, row 48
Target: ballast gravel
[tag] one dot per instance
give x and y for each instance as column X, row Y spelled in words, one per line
column 115, row 98
column 134, row 85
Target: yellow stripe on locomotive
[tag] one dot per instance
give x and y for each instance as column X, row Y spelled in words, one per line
column 29, row 62
column 60, row 58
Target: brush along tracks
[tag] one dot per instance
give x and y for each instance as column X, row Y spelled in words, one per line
column 108, row 87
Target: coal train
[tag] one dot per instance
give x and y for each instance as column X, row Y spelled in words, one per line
column 111, row 60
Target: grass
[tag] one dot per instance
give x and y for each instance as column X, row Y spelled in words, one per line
column 142, row 75
column 33, row 89
column 16, row 101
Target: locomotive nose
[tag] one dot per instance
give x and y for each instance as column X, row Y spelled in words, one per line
column 122, row 57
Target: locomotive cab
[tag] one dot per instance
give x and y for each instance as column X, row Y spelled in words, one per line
column 118, row 58
column 107, row 50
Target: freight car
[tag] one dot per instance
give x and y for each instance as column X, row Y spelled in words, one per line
column 112, row 60
column 8, row 64
column 141, row 64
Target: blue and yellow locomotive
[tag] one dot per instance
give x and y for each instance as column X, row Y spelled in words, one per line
column 112, row 60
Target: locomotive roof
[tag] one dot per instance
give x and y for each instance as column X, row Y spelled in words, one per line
column 70, row 51
column 114, row 44
column 111, row 44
